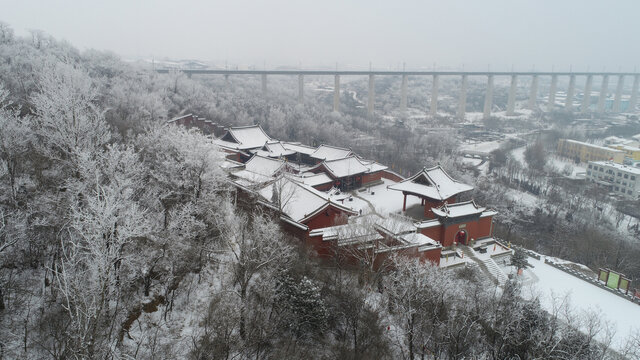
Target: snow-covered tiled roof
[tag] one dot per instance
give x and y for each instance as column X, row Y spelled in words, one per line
column 298, row 201
column 179, row 118
column 373, row 166
column 395, row 226
column 246, row 137
column 459, row 209
column 251, row 178
column 230, row 164
column 299, row 148
column 226, row 144
column 418, row 239
column 357, row 231
column 313, row 179
column 264, row 165
column 275, row 149
column 327, row 152
column 428, row 224
column 433, row 183
column 345, row 167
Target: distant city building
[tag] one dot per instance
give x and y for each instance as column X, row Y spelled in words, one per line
column 631, row 153
column 620, row 179
column 585, row 152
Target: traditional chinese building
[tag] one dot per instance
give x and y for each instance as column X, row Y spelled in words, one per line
column 433, row 186
column 458, row 223
column 372, row 239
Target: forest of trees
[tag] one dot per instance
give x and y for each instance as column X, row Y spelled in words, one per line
column 120, row 238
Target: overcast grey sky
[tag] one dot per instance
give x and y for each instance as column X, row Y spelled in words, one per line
column 476, row 33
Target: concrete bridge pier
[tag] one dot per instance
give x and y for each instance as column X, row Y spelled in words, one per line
column 372, row 95
column 586, row 100
column 603, row 93
column 568, row 104
column 403, row 94
column 462, row 105
column 336, row 94
column 552, row 93
column 533, row 94
column 633, row 101
column 264, row 84
column 618, row 98
column 511, row 102
column 488, row 99
column 433, row 110
column 301, row 88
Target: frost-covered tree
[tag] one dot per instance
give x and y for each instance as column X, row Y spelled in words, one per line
column 15, row 141
column 257, row 247
column 68, row 120
column 519, row 259
column 98, row 254
column 300, row 306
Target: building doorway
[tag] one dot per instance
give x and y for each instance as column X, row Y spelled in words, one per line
column 461, row 237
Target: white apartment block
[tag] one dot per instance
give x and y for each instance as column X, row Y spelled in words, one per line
column 620, row 179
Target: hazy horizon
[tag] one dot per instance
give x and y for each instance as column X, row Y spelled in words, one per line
column 492, row 34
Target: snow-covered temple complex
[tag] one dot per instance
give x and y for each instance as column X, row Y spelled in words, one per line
column 340, row 204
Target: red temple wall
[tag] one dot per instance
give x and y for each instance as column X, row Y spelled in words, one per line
column 369, row 178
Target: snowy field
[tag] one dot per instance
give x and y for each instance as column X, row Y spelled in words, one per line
column 553, row 287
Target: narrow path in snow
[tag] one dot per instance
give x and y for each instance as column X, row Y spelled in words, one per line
column 373, row 209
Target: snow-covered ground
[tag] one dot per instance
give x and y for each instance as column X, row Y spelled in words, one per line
column 383, row 200
column 578, row 171
column 522, row 197
column 518, row 114
column 553, row 286
column 473, row 116
column 518, row 154
column 557, row 162
column 483, row 147
column 471, row 161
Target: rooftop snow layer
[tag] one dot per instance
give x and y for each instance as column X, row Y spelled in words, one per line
column 264, row 165
column 247, row 137
column 628, row 169
column 418, row 239
column 277, row 149
column 299, row 148
column 457, row 210
column 592, row 145
column 373, row 166
column 251, row 177
column 345, row 167
column 298, row 201
column 326, row 152
column 313, row 179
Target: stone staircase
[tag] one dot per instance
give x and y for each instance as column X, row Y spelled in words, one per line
column 495, row 271
column 488, row 266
